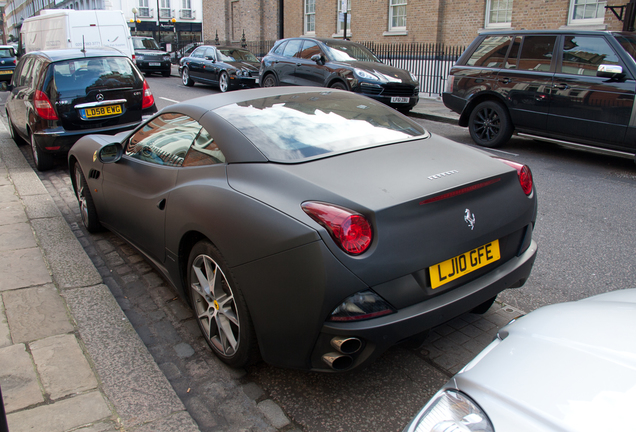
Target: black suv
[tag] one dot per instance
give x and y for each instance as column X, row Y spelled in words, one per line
column 338, row 64
column 574, row 88
column 149, row 57
column 58, row 96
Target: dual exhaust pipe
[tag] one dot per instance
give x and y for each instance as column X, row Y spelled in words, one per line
column 342, row 359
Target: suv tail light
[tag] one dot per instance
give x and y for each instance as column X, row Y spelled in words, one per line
column 148, row 99
column 350, row 230
column 524, row 173
column 43, row 106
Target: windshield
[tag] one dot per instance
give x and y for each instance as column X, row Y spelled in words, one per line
column 628, row 42
column 236, row 55
column 146, row 43
column 350, row 52
column 72, row 77
column 297, row 127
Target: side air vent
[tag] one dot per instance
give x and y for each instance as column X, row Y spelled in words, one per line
column 93, row 174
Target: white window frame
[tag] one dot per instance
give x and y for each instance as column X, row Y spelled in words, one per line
column 393, row 6
column 586, row 21
column 309, row 7
column 495, row 3
column 340, row 24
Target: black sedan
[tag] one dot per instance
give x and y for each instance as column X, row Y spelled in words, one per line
column 311, row 227
column 227, row 67
column 338, row 64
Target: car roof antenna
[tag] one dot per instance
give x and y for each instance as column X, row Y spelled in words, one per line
column 83, row 45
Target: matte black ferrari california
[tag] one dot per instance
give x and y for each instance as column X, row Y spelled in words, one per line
column 311, row 227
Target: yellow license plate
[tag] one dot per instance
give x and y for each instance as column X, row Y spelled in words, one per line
column 103, row 111
column 463, row 264
column 6, row 72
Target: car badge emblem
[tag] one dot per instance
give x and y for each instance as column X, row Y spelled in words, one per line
column 99, row 97
column 470, row 219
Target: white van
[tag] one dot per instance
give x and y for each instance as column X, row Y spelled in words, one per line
column 65, row 28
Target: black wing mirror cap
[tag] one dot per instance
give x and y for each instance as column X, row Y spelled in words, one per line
column 110, row 153
column 610, row 71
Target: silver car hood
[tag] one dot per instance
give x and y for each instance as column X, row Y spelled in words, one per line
column 565, row 367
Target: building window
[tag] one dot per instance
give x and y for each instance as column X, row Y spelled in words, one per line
column 498, row 13
column 397, row 15
column 310, row 16
column 340, row 29
column 164, row 9
column 583, row 12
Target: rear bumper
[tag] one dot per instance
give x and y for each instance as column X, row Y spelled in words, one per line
column 379, row 334
column 60, row 141
column 453, row 102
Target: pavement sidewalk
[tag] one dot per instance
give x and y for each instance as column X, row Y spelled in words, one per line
column 69, row 358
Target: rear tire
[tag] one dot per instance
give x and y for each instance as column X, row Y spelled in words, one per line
column 43, row 161
column 489, row 124
column 165, row 73
column 483, row 308
column 269, row 81
column 185, row 77
column 219, row 307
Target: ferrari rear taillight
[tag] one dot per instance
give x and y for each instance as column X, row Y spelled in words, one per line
column 148, row 99
column 524, row 173
column 43, row 106
column 350, row 230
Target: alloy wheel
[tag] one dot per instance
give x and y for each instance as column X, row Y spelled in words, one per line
column 223, row 82
column 487, row 124
column 215, row 306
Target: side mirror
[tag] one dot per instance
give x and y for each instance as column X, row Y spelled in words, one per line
column 609, row 71
column 110, row 153
column 317, row 58
column 212, row 59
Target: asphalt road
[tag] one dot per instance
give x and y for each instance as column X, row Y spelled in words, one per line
column 586, row 238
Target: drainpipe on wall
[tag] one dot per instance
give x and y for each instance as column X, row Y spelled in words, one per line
column 281, row 19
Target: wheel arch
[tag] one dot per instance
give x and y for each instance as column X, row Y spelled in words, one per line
column 338, row 79
column 476, row 100
column 267, row 73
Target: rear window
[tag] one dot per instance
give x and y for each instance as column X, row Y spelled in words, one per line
column 74, row 76
column 6, row 53
column 147, row 43
column 298, row 127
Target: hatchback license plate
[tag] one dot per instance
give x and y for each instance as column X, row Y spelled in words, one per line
column 463, row 264
column 103, row 111
column 397, row 99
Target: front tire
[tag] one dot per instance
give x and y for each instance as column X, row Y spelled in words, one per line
column 269, row 81
column 185, row 77
column 338, row 85
column 489, row 124
column 14, row 133
column 43, row 161
column 219, row 307
column 224, row 82
column 85, row 201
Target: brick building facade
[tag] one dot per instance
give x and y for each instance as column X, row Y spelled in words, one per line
column 451, row 22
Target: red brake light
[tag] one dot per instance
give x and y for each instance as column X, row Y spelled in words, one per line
column 148, row 99
column 43, row 106
column 350, row 230
column 524, row 173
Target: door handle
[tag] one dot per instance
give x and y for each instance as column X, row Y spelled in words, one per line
column 505, row 80
column 161, row 204
column 561, row 86
column 298, row 64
